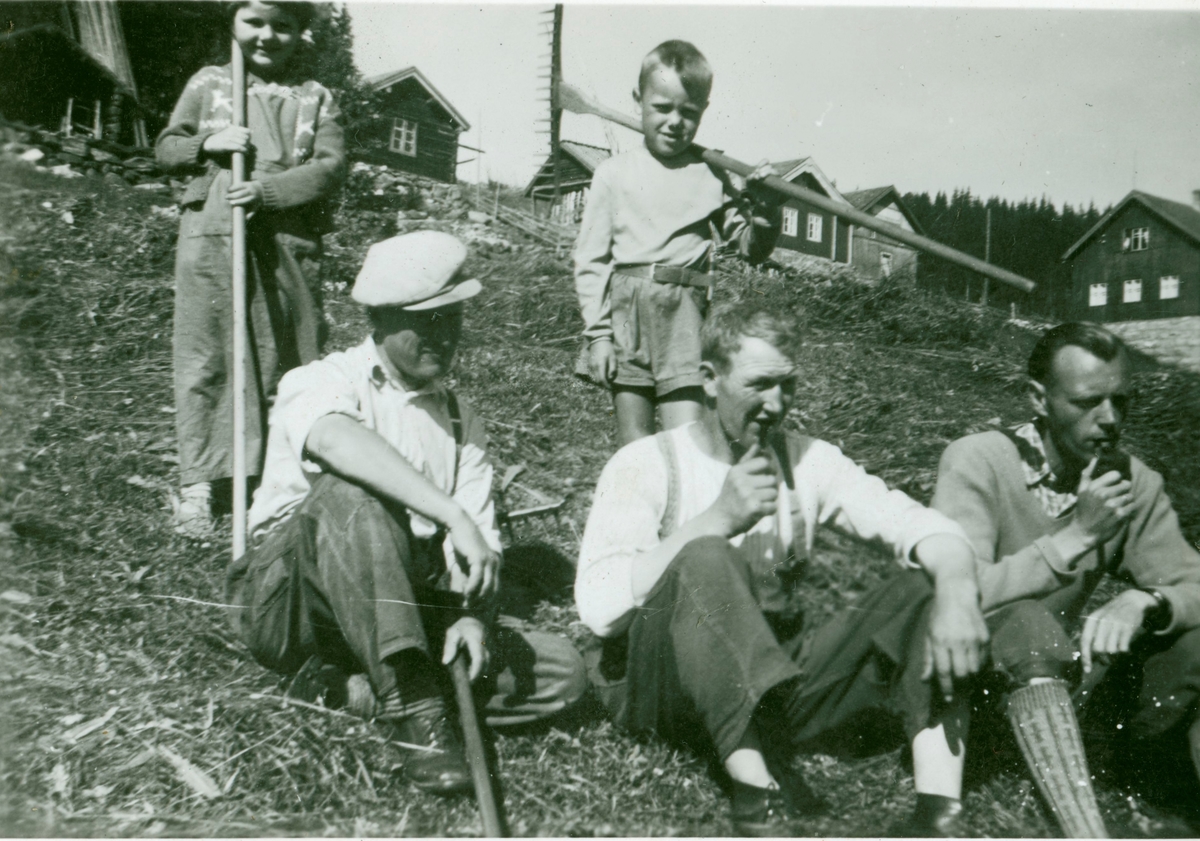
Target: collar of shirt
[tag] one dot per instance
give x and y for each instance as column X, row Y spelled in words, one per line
column 385, row 375
column 1039, row 478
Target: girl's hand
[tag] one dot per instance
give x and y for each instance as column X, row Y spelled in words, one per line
column 248, row 194
column 228, row 139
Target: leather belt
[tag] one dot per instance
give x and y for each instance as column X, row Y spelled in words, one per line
column 658, row 273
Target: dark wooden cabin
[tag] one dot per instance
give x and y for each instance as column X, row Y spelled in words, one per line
column 807, row 229
column 1141, row 261
column 420, row 126
column 65, row 67
column 577, row 164
column 873, row 255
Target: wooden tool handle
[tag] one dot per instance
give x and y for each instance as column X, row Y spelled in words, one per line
column 493, row 827
column 238, row 321
column 574, row 100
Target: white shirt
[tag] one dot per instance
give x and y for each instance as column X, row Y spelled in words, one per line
column 631, row 500
column 358, row 383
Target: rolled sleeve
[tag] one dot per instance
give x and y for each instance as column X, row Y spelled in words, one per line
column 305, row 396
column 855, row 502
column 624, row 522
column 474, row 489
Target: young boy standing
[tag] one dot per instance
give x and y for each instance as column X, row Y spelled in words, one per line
column 295, row 161
column 644, row 251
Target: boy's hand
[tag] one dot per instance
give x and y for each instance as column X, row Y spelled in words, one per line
column 470, row 634
column 248, row 194
column 764, row 201
column 228, row 139
column 602, row 361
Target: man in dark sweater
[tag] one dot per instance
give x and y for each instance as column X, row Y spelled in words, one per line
column 1051, row 507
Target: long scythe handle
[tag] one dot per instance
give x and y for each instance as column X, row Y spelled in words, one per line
column 493, row 827
column 238, row 378
column 572, row 99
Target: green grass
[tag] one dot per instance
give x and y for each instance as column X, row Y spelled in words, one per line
column 106, row 609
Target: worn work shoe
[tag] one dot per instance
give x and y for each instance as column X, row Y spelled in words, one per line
column 759, row 812
column 432, row 753
column 935, row 816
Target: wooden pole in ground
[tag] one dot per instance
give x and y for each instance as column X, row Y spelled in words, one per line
column 987, row 254
column 493, row 827
column 238, row 322
column 574, row 100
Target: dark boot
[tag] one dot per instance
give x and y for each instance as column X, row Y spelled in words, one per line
column 935, row 816
column 432, row 755
column 758, row 812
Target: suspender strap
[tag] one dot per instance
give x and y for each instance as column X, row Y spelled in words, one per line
column 457, row 431
column 670, row 516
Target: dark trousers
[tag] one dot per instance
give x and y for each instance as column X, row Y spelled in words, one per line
column 701, row 655
column 344, row 578
column 1149, row 692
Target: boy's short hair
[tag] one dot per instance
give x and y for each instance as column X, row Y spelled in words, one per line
column 1091, row 337
column 722, row 333
column 301, row 10
column 693, row 68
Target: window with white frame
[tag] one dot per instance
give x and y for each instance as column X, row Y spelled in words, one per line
column 885, row 263
column 1098, row 294
column 815, row 223
column 1136, row 239
column 1133, row 292
column 791, row 222
column 404, row 137
column 1168, row 287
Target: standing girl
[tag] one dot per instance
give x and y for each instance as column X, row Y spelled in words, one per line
column 295, row 163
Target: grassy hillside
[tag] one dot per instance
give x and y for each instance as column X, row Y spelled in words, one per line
column 131, row 710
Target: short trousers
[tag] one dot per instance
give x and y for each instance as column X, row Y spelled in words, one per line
column 656, row 333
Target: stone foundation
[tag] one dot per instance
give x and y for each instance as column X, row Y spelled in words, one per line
column 1172, row 341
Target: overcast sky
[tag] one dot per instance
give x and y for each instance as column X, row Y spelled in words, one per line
column 1074, row 105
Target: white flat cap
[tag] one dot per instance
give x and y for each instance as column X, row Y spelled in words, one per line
column 417, row 271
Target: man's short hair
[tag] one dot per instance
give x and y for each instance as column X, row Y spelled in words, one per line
column 693, row 68
column 1091, row 337
column 726, row 326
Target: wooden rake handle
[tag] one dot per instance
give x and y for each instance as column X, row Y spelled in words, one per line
column 493, row 827
column 574, row 100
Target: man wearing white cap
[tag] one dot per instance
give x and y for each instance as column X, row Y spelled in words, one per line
column 374, row 539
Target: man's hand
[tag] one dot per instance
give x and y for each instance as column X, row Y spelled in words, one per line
column 1105, row 503
column 467, row 633
column 228, row 139
column 483, row 562
column 1112, row 628
column 248, row 194
column 602, row 361
column 749, row 493
column 957, row 634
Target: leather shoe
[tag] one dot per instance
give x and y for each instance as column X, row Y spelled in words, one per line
column 935, row 816
column 758, row 812
column 433, row 755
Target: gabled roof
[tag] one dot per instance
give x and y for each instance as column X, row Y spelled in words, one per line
column 587, row 156
column 1180, row 216
column 791, row 170
column 875, row 199
column 386, row 80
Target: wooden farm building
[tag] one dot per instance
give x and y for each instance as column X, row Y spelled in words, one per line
column 577, row 163
column 808, row 230
column 421, row 126
column 1138, row 271
column 874, row 255
column 65, row 67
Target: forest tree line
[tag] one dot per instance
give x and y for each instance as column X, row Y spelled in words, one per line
column 1027, row 237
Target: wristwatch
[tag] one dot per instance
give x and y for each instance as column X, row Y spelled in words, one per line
column 1158, row 616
